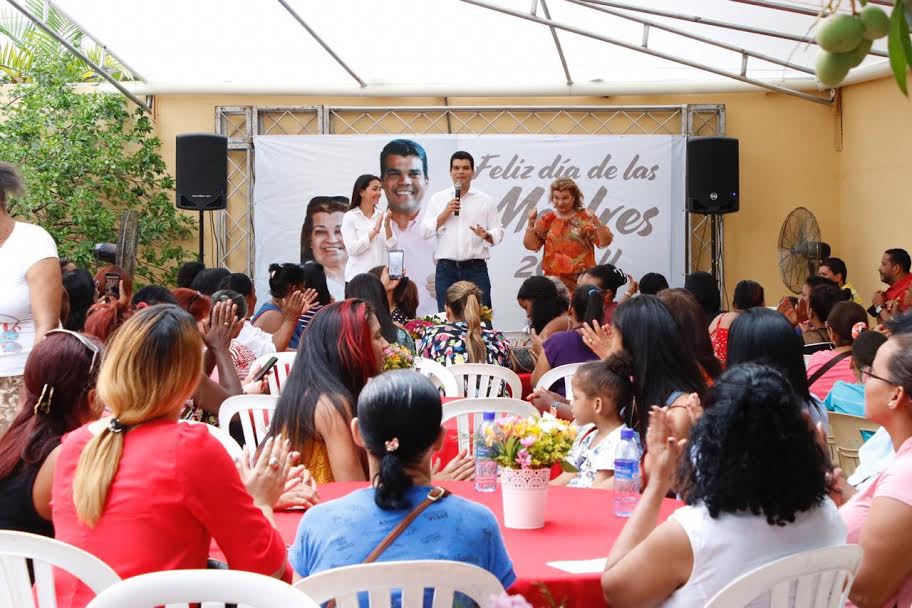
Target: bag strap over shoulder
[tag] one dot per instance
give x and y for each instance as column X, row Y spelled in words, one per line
column 433, row 496
column 828, row 366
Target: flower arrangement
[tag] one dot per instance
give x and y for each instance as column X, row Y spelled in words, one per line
column 530, row 443
column 487, row 315
column 396, row 356
column 416, row 327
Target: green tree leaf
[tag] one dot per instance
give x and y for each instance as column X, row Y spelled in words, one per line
column 897, row 43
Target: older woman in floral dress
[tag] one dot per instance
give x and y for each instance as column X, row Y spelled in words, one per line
column 569, row 234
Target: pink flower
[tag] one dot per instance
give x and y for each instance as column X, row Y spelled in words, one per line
column 505, row 600
column 524, row 459
column 527, row 441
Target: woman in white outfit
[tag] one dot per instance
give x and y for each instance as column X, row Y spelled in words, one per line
column 753, row 477
column 361, row 228
column 30, row 292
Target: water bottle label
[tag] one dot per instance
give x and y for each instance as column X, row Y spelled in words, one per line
column 626, row 469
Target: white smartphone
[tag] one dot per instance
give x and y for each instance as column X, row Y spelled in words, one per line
column 396, row 263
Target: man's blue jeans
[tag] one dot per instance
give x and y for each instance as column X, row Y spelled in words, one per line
column 451, row 271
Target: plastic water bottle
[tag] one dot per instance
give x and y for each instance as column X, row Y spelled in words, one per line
column 626, row 474
column 485, row 466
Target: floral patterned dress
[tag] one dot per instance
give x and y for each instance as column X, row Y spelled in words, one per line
column 569, row 244
column 446, row 344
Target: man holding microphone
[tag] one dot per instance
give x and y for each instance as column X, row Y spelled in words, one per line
column 466, row 225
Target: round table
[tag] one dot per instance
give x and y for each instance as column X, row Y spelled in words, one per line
column 579, row 525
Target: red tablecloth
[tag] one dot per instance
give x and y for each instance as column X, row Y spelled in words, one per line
column 580, row 525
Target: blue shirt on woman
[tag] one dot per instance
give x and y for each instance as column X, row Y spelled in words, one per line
column 342, row 532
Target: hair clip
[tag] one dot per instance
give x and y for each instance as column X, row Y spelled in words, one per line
column 392, row 445
column 858, row 328
column 116, row 426
column 40, row 405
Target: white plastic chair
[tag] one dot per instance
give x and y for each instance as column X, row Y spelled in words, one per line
column 279, row 374
column 438, row 374
column 231, row 446
column 45, row 553
column 811, row 579
column 468, row 414
column 180, row 587
column 562, row 372
column 485, row 380
column 411, row 577
column 255, row 413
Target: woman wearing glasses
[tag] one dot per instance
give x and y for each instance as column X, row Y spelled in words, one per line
column 59, row 397
column 30, row 293
column 879, row 518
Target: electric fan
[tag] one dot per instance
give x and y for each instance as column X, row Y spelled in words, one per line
column 800, row 248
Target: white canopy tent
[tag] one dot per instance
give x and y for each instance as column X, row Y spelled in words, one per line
column 402, row 48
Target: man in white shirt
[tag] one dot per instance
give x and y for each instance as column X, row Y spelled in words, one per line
column 466, row 225
column 404, row 177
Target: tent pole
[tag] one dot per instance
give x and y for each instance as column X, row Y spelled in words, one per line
column 560, row 50
column 713, row 23
column 648, row 51
column 697, row 37
column 95, row 67
column 320, row 41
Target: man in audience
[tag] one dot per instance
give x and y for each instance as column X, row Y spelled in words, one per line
column 404, row 177
column 894, row 271
column 463, row 241
column 834, row 269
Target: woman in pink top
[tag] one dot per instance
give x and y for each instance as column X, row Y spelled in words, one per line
column 880, row 517
column 145, row 493
column 845, row 321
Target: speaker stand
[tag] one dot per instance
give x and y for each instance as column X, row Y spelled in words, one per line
column 714, row 246
column 202, row 226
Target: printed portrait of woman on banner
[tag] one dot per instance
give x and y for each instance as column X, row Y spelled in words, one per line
column 321, row 240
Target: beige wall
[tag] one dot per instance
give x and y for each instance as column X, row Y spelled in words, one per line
column 788, row 158
column 875, row 169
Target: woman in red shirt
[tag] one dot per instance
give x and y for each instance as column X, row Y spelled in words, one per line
column 145, row 493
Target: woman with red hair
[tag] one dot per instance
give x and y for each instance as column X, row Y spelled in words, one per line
column 340, row 351
column 124, row 283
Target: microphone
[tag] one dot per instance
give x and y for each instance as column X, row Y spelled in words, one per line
column 458, row 188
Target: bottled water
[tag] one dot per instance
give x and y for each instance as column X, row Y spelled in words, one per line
column 626, row 474
column 485, row 466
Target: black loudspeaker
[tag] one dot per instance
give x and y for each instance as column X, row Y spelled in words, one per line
column 712, row 175
column 202, row 171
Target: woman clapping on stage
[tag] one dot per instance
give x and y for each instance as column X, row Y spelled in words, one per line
column 569, row 234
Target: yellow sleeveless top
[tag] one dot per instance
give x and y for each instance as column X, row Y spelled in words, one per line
column 316, row 459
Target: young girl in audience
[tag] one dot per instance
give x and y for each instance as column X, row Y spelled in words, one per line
column 144, row 493
column 754, row 479
column 284, row 281
column 601, row 391
column 340, row 351
column 398, row 424
column 59, row 391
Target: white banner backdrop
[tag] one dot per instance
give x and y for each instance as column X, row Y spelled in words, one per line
column 635, row 183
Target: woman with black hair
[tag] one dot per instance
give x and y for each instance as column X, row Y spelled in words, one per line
column 609, row 279
column 748, row 294
column 565, row 347
column 362, row 226
column 546, row 314
column 665, row 367
column 366, row 286
column 821, row 301
column 341, row 350
column 80, row 287
column 705, row 289
column 754, row 480
column 398, row 424
column 761, row 335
